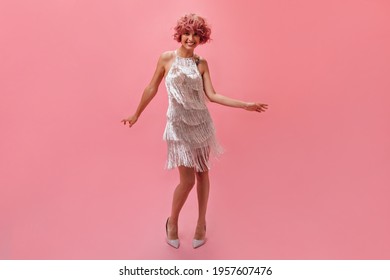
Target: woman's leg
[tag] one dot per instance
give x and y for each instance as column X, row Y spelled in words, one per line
column 187, row 182
column 203, row 189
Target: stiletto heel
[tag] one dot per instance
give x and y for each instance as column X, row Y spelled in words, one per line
column 196, row 243
column 175, row 243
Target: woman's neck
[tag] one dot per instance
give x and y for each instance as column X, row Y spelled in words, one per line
column 183, row 52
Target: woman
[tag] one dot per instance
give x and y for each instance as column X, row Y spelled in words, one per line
column 189, row 131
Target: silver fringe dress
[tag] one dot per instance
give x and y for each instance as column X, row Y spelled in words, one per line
column 189, row 132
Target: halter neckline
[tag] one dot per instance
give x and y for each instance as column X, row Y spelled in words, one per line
column 190, row 57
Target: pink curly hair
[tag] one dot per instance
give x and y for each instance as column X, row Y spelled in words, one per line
column 192, row 23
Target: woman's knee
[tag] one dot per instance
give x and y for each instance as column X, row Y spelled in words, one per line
column 187, row 178
column 187, row 183
column 202, row 176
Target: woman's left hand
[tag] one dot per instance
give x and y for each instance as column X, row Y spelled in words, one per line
column 258, row 107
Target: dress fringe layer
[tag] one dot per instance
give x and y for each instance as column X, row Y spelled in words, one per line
column 189, row 132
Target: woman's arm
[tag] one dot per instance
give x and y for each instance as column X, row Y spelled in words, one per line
column 221, row 99
column 150, row 90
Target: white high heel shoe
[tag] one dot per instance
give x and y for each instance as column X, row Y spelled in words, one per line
column 175, row 243
column 196, row 243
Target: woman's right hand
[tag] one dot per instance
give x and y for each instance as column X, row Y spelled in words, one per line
column 131, row 120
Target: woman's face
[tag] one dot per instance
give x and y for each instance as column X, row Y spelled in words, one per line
column 190, row 40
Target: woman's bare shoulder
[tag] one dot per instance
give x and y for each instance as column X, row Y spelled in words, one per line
column 200, row 59
column 201, row 62
column 167, row 55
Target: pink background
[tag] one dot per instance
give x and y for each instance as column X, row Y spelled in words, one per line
column 308, row 179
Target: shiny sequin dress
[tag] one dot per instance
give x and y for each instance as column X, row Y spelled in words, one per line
column 189, row 132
